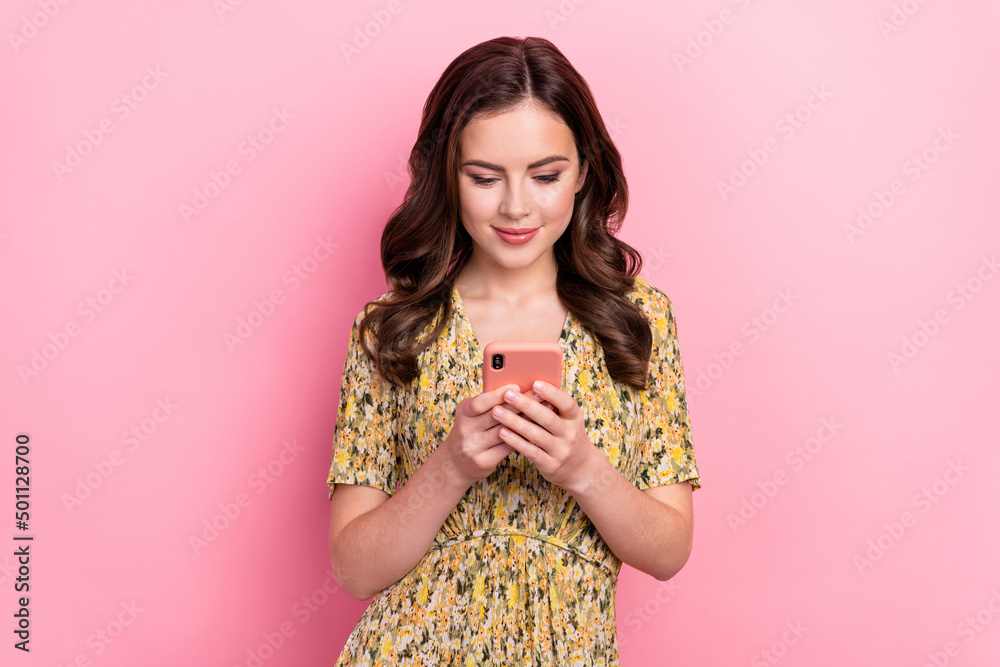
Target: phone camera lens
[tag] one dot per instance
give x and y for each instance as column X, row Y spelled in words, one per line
column 497, row 361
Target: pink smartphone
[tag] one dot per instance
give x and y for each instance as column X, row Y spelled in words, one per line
column 521, row 363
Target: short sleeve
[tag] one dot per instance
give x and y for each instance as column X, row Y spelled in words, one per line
column 365, row 437
column 666, row 452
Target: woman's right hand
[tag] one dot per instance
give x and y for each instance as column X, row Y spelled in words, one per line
column 473, row 446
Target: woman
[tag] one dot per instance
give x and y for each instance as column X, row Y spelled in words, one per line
column 491, row 526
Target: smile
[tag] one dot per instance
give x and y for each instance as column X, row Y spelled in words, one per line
column 517, row 238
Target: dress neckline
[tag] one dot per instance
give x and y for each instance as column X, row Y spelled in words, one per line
column 456, row 300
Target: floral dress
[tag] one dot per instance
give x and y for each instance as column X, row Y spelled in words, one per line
column 517, row 575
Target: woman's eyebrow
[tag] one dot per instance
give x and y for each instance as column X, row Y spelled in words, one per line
column 487, row 165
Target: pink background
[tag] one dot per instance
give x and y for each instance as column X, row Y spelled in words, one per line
column 879, row 548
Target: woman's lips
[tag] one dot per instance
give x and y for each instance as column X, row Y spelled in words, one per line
column 512, row 237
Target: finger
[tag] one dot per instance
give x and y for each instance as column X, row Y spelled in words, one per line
column 482, row 403
column 531, row 409
column 531, row 451
column 528, row 429
column 498, row 452
column 560, row 400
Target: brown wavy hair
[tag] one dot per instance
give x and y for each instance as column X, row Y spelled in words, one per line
column 425, row 246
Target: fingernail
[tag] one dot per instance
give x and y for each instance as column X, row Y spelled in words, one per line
column 510, row 396
column 539, row 385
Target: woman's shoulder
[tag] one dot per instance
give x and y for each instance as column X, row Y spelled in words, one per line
column 372, row 328
column 656, row 306
column 367, row 307
column 651, row 299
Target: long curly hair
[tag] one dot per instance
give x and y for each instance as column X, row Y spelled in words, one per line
column 424, row 245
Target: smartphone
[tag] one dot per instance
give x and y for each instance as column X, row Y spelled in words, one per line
column 521, row 363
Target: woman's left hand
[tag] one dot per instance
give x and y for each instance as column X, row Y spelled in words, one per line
column 556, row 442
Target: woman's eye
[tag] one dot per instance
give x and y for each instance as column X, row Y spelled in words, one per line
column 481, row 180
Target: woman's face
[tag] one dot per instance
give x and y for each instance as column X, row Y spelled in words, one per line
column 517, row 171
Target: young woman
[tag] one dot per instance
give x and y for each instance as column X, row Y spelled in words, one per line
column 491, row 526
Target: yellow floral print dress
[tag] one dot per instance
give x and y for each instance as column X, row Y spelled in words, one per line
column 517, row 575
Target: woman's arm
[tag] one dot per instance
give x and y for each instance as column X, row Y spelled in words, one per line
column 376, row 539
column 650, row 529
